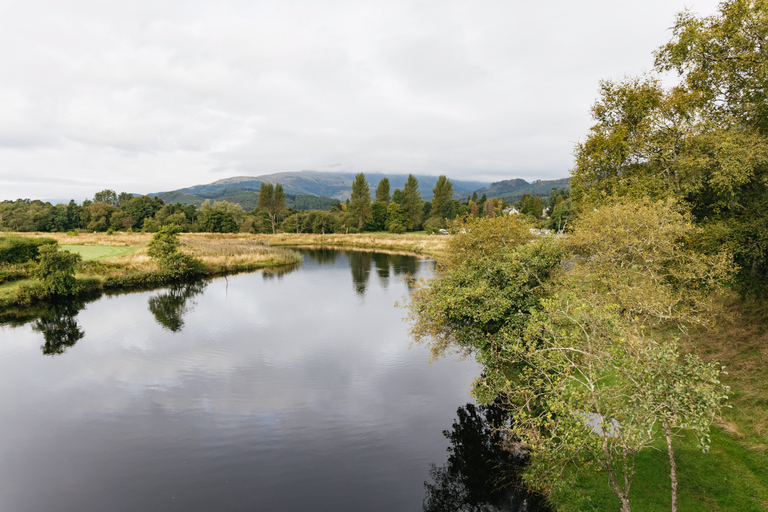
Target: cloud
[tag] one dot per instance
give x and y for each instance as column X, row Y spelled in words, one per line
column 148, row 96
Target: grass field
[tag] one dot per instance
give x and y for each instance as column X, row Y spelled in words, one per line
column 733, row 476
column 95, row 252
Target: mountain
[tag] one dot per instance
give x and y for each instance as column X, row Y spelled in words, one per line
column 513, row 190
column 338, row 186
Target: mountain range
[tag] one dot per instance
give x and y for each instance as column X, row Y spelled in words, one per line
column 313, row 189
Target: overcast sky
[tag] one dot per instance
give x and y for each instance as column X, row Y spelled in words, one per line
column 151, row 95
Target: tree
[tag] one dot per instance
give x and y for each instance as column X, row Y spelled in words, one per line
column 565, row 348
column 722, row 58
column 441, row 194
column 272, row 200
column 360, row 201
column 412, row 201
column 57, row 270
column 106, row 196
column 218, row 221
column 703, row 141
column 382, row 191
column 165, row 249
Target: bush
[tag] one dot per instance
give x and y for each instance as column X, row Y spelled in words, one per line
column 164, row 248
column 434, row 225
column 16, row 250
column 396, row 227
column 57, row 271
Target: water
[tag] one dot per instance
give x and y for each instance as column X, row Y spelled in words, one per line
column 291, row 390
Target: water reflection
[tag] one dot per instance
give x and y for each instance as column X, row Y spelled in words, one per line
column 322, row 256
column 269, row 274
column 382, row 268
column 170, row 306
column 479, row 474
column 360, row 265
column 59, row 327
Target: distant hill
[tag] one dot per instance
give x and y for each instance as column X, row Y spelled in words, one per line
column 513, row 190
column 336, row 186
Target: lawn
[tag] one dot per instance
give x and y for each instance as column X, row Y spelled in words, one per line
column 96, row 252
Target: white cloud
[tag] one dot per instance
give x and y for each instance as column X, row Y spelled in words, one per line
column 147, row 96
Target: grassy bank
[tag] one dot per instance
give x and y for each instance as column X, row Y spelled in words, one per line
column 733, row 476
column 120, row 261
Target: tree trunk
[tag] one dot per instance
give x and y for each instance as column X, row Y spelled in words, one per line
column 672, row 467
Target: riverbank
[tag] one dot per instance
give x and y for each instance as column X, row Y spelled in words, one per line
column 733, row 475
column 120, row 261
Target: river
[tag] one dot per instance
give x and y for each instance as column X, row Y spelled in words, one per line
column 276, row 390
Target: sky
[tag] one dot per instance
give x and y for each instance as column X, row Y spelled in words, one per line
column 155, row 95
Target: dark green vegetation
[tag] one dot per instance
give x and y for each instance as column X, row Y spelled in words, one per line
column 605, row 345
column 271, row 210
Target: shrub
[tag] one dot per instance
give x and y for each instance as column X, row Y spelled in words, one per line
column 57, row 271
column 164, row 248
column 15, row 249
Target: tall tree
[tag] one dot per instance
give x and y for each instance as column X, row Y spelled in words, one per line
column 360, row 201
column 106, row 196
column 382, row 191
column 272, row 201
column 412, row 202
column 442, row 193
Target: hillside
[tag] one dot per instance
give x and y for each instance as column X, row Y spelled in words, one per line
column 313, row 183
column 513, row 190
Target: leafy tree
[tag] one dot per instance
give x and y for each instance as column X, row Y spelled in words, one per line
column 165, row 248
column 382, row 191
column 272, row 200
column 441, row 194
column 360, row 201
column 57, row 270
column 397, row 219
column 703, row 141
column 379, row 216
column 123, row 198
column 218, row 221
column 106, row 196
column 412, row 202
column 397, row 196
column 565, row 348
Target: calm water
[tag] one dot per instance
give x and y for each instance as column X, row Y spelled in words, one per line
column 263, row 391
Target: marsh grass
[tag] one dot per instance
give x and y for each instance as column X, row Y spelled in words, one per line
column 413, row 243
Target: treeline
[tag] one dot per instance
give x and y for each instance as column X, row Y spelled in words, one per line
column 395, row 211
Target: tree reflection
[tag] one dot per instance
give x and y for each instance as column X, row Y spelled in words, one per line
column 59, row 327
column 381, row 261
column 479, row 474
column 360, row 264
column 170, row 307
column 278, row 272
column 322, row 255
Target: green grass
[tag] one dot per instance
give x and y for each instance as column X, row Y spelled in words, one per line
column 733, row 476
column 728, row 478
column 96, row 252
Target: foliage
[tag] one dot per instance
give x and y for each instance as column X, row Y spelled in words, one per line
column 360, row 201
column 442, row 194
column 16, row 250
column 382, row 191
column 411, row 202
column 218, row 221
column 564, row 347
column 56, row 271
column 703, row 141
column 165, row 248
column 272, row 200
